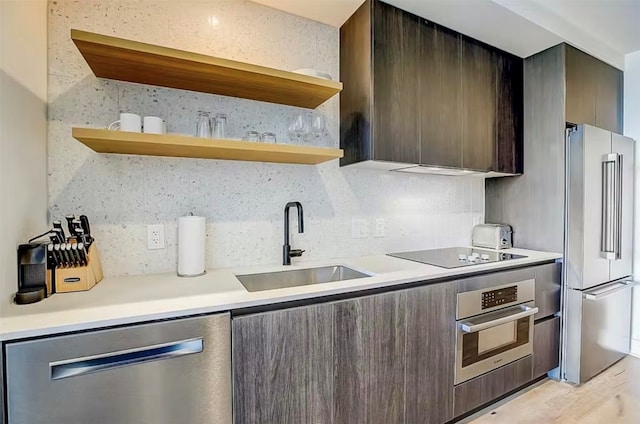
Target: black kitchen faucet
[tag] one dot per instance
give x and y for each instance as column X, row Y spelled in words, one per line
column 287, row 252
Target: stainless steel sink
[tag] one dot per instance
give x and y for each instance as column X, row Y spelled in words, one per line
column 298, row 277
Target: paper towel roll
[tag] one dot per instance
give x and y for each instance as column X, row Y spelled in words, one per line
column 191, row 245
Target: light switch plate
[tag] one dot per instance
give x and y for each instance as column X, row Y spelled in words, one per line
column 155, row 236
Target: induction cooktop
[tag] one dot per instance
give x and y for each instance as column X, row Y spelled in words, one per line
column 456, row 257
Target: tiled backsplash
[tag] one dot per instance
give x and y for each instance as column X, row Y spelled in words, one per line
column 243, row 201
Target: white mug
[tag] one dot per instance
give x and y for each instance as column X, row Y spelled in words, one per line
column 128, row 122
column 154, row 125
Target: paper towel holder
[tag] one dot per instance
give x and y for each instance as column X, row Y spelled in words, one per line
column 183, row 275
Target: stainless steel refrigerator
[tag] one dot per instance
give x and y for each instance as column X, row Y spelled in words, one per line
column 598, row 251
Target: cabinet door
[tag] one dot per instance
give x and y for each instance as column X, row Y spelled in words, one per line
column 283, row 366
column 395, row 100
column 369, row 340
column 581, row 76
column 546, row 346
column 431, row 341
column 479, row 105
column 440, row 98
column 509, row 113
column 609, row 95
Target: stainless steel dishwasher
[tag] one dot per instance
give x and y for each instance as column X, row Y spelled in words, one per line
column 169, row 372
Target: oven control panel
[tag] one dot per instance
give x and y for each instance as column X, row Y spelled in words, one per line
column 493, row 298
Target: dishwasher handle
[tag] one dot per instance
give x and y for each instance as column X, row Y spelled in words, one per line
column 609, row 290
column 525, row 311
column 90, row 364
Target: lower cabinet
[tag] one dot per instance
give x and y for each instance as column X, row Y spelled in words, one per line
column 474, row 393
column 378, row 359
column 546, row 346
column 369, row 351
column 283, row 366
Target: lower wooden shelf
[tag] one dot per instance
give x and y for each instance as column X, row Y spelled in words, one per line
column 130, row 143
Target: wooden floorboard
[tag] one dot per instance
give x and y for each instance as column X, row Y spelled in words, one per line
column 612, row 397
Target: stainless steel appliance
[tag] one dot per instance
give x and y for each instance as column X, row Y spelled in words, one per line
column 175, row 371
column 455, row 257
column 598, row 251
column 495, row 327
column 492, row 236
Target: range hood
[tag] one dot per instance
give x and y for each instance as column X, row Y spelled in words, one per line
column 425, row 169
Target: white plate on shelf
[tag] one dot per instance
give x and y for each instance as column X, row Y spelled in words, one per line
column 314, row 73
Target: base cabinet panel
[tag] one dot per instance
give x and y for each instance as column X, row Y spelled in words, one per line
column 283, row 366
column 369, row 341
column 431, row 341
column 474, row 393
column 546, row 346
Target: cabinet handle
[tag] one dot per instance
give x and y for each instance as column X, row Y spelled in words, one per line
column 123, row 358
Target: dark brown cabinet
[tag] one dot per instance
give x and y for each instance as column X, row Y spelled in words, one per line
column 479, row 106
column 369, row 345
column 440, row 76
column 430, row 356
column 546, row 346
column 417, row 93
column 283, row 366
column 594, row 91
column 396, row 52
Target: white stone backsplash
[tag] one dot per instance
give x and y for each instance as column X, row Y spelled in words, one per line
column 243, row 201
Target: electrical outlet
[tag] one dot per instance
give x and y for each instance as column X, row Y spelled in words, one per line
column 155, row 236
column 359, row 228
column 381, row 228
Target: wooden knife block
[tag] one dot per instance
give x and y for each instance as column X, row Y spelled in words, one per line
column 82, row 277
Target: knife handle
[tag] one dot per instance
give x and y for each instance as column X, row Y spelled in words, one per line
column 57, row 225
column 84, row 222
column 70, row 219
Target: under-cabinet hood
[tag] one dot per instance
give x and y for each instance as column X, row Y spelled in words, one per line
column 425, row 169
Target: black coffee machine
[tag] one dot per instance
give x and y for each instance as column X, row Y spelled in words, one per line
column 32, row 273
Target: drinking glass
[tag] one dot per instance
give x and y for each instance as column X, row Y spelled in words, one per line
column 317, row 124
column 203, row 125
column 299, row 128
column 268, row 137
column 251, row 136
column 220, row 124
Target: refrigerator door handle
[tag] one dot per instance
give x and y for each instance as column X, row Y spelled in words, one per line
column 609, row 290
column 618, row 206
column 609, row 226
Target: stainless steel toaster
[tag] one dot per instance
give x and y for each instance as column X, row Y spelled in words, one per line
column 492, row 236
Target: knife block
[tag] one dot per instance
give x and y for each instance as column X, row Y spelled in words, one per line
column 80, row 278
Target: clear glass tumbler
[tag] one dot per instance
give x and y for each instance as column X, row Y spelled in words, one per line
column 203, row 125
column 220, row 125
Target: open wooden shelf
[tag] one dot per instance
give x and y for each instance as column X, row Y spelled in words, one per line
column 130, row 143
column 126, row 60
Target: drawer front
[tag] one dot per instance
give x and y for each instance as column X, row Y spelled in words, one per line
column 487, row 387
column 546, row 346
column 548, row 280
column 165, row 372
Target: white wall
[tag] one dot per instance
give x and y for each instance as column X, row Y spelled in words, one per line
column 23, row 131
column 632, row 129
column 243, row 201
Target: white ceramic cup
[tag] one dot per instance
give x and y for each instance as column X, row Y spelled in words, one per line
column 154, row 125
column 128, row 122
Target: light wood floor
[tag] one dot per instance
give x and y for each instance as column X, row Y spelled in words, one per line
column 612, row 397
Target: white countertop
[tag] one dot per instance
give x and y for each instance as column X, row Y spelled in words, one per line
column 123, row 300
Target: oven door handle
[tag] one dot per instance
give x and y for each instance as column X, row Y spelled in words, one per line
column 525, row 311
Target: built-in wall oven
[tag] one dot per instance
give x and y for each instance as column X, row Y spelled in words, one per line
column 495, row 327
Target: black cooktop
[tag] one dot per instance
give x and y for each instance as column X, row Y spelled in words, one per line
column 455, row 257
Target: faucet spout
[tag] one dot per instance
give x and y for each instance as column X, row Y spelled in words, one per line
column 287, row 252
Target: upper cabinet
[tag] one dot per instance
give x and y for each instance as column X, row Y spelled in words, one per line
column 594, row 91
column 417, row 93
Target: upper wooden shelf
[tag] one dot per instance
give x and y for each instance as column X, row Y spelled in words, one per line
column 130, row 143
column 126, row 60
